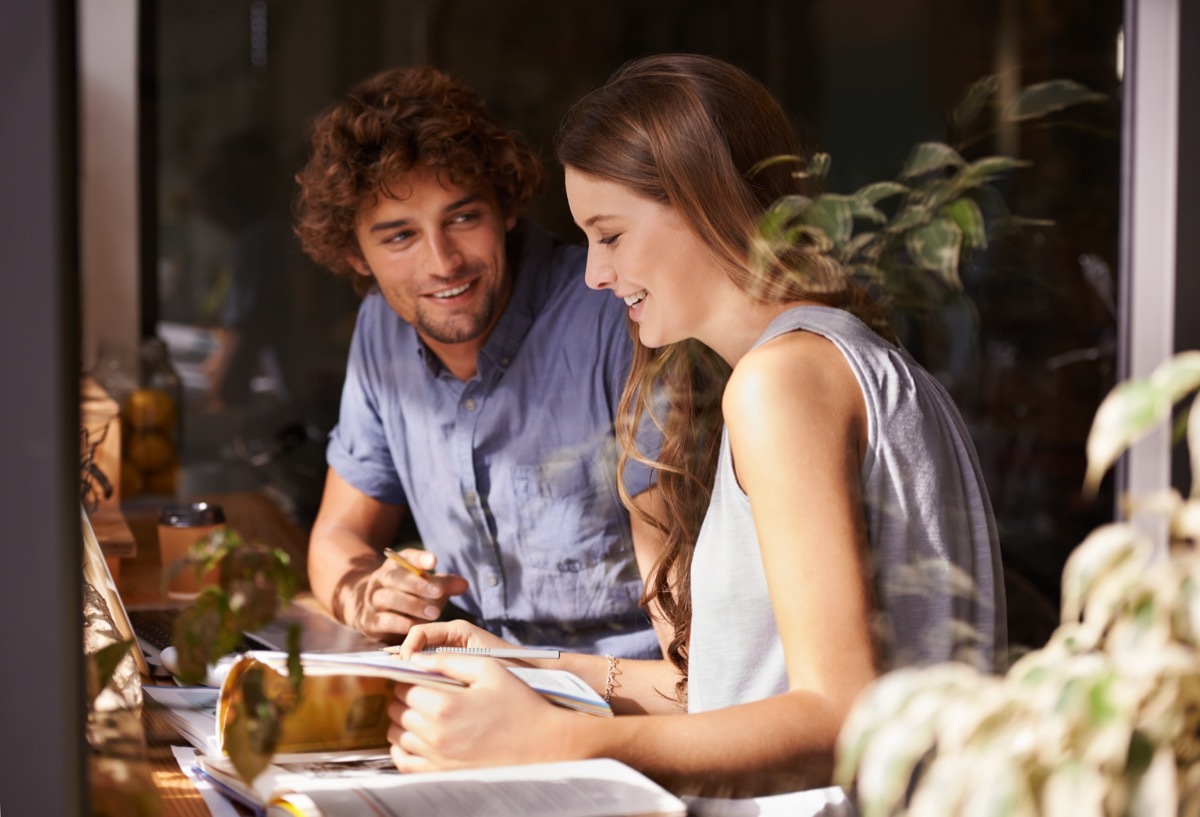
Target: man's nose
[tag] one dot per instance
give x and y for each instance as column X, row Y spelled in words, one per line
column 445, row 254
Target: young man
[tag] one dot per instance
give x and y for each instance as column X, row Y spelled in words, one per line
column 481, row 387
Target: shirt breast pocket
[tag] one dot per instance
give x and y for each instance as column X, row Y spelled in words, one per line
column 570, row 519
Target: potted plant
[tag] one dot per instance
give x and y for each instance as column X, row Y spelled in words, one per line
column 1105, row 718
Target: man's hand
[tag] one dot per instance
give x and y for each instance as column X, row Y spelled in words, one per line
column 392, row 599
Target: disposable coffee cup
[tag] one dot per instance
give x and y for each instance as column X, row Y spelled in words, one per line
column 178, row 527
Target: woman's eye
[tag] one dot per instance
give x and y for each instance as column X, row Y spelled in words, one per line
column 609, row 240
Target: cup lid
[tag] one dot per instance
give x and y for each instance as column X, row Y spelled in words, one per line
column 191, row 515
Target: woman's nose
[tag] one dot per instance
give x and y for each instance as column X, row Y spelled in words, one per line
column 597, row 275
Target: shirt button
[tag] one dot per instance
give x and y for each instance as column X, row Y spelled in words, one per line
column 470, row 497
column 469, row 404
column 504, row 361
column 492, row 580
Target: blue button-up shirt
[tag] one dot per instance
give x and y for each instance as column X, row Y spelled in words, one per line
column 511, row 475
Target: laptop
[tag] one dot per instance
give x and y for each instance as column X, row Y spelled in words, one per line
column 152, row 625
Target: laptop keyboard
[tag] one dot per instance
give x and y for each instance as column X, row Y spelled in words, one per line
column 155, row 628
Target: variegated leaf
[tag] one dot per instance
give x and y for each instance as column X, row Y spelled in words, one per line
column 1125, row 415
column 1156, row 793
column 936, row 247
column 878, row 191
column 908, row 217
column 928, row 157
column 1102, row 552
column 1073, row 788
column 833, row 215
column 982, row 171
column 1048, row 97
column 966, row 214
column 1193, row 441
column 973, row 100
column 1177, row 376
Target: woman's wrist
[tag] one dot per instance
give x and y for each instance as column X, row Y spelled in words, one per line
column 611, row 677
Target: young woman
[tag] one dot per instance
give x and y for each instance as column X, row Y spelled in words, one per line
column 824, row 511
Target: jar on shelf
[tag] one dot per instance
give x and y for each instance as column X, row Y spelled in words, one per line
column 152, row 420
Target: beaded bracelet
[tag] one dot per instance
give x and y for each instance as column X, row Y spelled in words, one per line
column 610, row 681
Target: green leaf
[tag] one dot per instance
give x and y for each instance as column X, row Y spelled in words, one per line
column 1073, row 788
column 1177, row 376
column 108, row 658
column 1193, row 442
column 908, row 217
column 203, row 632
column 860, row 208
column 982, row 171
column 1014, row 223
column 936, row 247
column 867, row 272
column 771, row 161
column 969, row 218
column 1103, row 552
column 1047, row 97
column 857, row 244
column 928, row 157
column 295, row 669
column 818, row 166
column 252, row 731
column 973, row 100
column 833, row 215
column 878, row 191
column 1125, row 415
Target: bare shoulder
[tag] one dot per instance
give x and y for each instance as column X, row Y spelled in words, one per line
column 798, row 375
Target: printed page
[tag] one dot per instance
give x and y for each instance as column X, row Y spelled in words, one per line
column 589, row 788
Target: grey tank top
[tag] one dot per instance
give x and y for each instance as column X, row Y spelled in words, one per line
column 937, row 574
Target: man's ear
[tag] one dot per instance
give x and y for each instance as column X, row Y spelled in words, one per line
column 510, row 222
column 358, row 264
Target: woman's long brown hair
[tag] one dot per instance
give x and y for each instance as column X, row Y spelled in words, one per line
column 693, row 133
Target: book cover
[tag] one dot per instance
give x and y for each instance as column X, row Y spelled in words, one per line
column 344, row 696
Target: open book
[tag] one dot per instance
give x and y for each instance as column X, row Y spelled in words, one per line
column 344, row 697
column 586, row 788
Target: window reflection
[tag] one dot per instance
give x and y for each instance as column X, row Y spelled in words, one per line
column 1027, row 349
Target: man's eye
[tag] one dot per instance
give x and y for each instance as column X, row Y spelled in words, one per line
column 399, row 238
column 463, row 218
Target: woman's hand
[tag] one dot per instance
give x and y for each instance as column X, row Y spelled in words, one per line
column 495, row 720
column 447, row 634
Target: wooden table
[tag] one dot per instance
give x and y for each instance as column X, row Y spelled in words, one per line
column 257, row 518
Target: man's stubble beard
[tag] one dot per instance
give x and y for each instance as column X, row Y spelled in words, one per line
column 463, row 327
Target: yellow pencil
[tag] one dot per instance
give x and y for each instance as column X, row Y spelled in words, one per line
column 404, row 563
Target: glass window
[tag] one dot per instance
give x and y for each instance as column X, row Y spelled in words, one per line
column 1027, row 347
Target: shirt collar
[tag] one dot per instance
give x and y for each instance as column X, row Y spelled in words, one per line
column 531, row 246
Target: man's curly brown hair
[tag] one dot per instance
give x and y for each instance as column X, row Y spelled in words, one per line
column 387, row 125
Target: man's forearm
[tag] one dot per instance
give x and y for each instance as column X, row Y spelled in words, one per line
column 338, row 569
